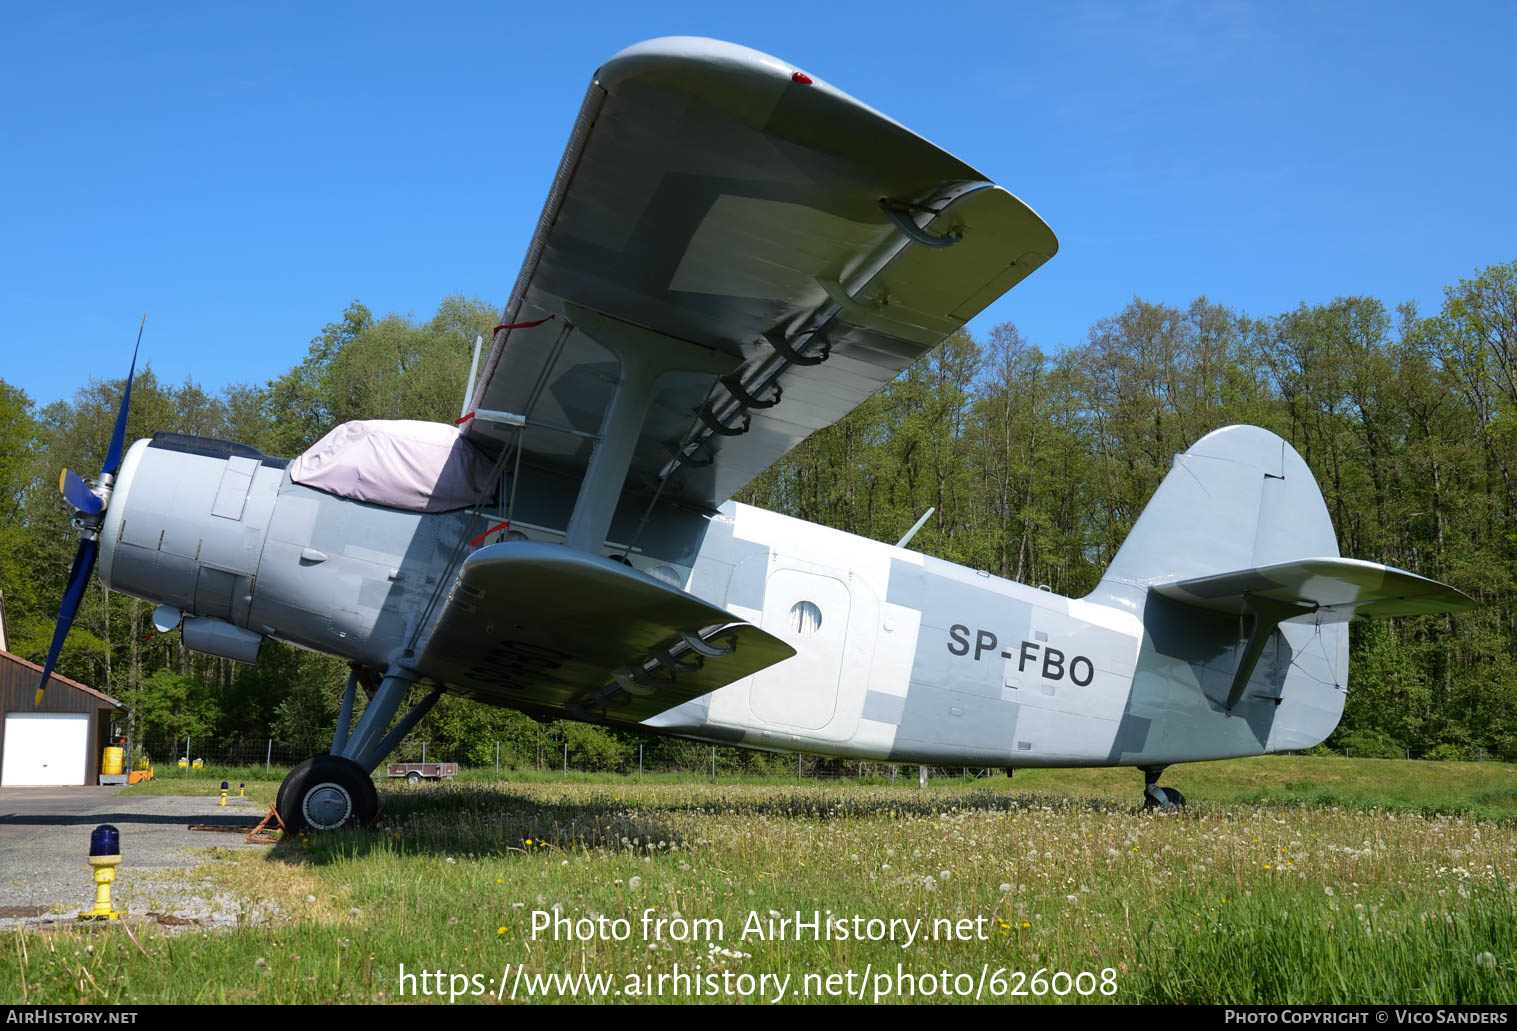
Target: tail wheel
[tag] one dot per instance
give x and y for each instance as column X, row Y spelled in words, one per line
column 1174, row 799
column 327, row 792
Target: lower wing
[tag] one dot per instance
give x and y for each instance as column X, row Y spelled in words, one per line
column 547, row 628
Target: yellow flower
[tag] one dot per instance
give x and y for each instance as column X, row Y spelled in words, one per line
column 500, row 930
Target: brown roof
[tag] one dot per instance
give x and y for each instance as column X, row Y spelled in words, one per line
column 60, row 678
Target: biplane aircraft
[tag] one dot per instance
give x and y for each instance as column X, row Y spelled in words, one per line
column 733, row 254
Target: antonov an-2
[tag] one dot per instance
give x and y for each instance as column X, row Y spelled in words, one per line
column 733, row 255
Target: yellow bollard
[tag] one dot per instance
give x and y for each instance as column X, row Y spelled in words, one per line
column 224, row 790
column 105, row 856
column 241, row 787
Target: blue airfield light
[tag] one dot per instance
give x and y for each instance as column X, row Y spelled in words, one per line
column 105, row 840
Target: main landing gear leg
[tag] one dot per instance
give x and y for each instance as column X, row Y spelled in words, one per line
column 1155, row 797
column 334, row 789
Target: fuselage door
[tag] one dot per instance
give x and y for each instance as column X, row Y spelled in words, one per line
column 810, row 613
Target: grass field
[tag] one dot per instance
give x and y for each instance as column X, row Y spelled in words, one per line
column 1289, row 879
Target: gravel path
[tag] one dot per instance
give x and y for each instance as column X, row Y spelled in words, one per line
column 44, row 842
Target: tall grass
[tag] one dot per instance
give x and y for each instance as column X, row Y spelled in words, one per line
column 1231, row 902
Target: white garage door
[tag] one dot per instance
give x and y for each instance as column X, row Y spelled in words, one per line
column 45, row 748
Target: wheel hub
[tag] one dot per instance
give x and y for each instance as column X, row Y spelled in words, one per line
column 327, row 806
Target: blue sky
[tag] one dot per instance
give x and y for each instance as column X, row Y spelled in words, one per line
column 242, row 171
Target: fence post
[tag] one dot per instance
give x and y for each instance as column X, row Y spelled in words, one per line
column 268, row 755
column 921, row 776
column 186, row 751
column 713, row 762
column 566, row 760
column 639, row 762
column 798, row 766
column 497, row 759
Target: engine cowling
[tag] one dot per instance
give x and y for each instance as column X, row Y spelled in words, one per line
column 186, row 526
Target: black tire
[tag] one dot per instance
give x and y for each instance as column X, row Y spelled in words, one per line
column 413, row 778
column 327, row 792
column 279, row 796
column 1175, row 799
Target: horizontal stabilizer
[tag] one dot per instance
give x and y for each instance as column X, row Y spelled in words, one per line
column 1330, row 590
column 544, row 627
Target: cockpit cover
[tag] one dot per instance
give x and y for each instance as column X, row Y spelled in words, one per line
column 400, row 463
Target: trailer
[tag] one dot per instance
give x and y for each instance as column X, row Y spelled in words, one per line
column 415, row 773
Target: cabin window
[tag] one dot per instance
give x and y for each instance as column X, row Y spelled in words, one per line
column 805, row 618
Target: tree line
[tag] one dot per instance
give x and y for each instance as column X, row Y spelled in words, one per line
column 1037, row 461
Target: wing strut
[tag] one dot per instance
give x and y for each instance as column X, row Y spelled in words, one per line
column 1267, row 614
column 644, row 356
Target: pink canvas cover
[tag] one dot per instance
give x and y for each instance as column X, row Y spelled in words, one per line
column 401, row 463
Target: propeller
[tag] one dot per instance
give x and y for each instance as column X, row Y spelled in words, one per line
column 72, row 486
column 91, row 505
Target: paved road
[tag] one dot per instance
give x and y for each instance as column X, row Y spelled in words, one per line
column 44, row 841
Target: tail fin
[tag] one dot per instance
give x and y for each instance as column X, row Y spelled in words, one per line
column 1239, row 498
column 1239, row 527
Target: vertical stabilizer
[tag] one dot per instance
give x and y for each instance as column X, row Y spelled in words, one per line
column 1239, row 498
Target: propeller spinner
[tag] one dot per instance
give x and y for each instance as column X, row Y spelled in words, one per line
column 91, row 505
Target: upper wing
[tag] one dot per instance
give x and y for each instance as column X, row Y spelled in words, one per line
column 553, row 629
column 1332, row 590
column 719, row 214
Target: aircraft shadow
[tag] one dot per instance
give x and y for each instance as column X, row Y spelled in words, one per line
column 497, row 820
column 246, row 818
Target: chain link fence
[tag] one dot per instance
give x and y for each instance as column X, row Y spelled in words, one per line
column 659, row 758
column 655, row 757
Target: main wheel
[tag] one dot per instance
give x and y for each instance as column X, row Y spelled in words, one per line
column 413, row 778
column 326, row 792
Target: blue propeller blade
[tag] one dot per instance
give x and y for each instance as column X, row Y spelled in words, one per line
column 78, row 580
column 78, row 493
column 118, row 435
column 85, row 500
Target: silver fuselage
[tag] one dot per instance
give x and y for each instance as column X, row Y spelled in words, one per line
column 900, row 656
